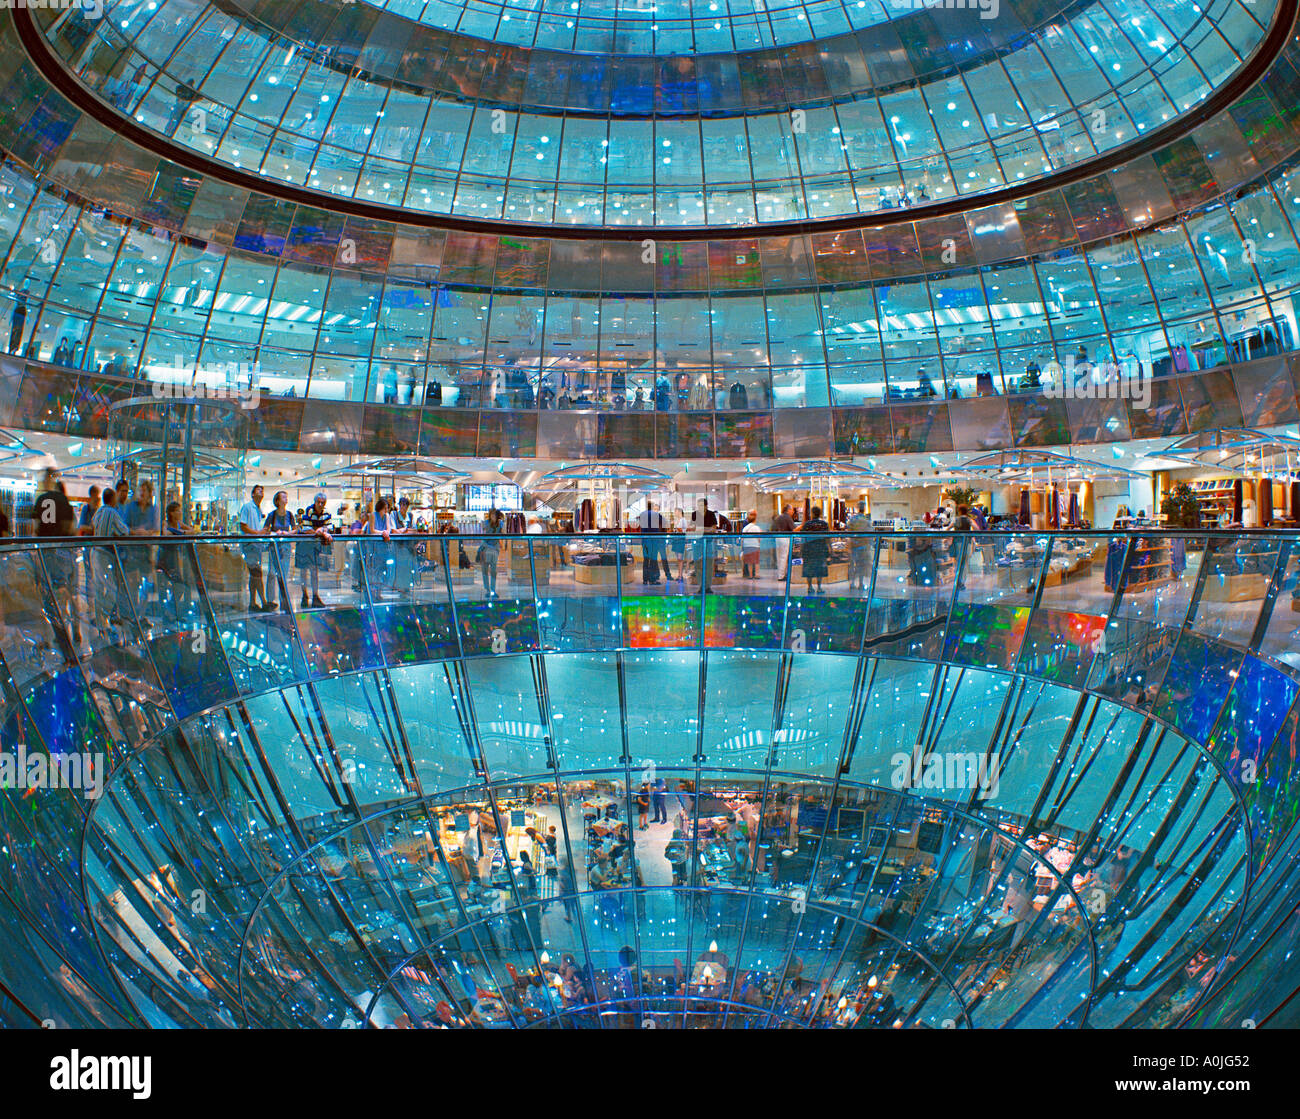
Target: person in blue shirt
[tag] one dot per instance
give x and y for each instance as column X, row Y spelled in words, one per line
column 659, row 800
column 88, row 512
column 141, row 516
column 107, row 599
column 252, row 522
column 107, row 521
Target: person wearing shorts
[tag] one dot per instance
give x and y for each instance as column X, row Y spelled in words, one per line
column 252, row 522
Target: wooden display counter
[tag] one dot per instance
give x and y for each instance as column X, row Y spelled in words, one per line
column 596, row 575
column 1234, row 588
column 520, row 569
column 223, row 567
column 1055, row 577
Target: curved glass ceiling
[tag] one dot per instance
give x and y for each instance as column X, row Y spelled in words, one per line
column 650, row 26
column 650, row 144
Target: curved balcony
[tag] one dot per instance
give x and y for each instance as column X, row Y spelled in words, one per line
column 921, row 780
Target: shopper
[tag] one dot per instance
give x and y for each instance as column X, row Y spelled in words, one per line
column 108, row 601
column 279, row 522
column 489, row 551
column 312, row 554
column 107, row 522
column 962, row 523
column 783, row 523
column 379, row 561
column 142, row 519
column 749, row 549
column 677, row 855
column 252, row 522
column 643, row 806
column 659, row 798
column 54, row 518
column 704, row 522
column 173, row 583
column 653, row 546
column 564, row 886
column 859, row 548
column 88, row 512
column 51, row 510
column 922, row 560
column 815, row 550
column 17, row 320
column 679, row 548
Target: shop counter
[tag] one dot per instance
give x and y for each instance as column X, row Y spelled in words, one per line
column 1235, row 588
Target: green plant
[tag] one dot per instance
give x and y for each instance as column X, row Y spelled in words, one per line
column 1180, row 507
column 962, row 495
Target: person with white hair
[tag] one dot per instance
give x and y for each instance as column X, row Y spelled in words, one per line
column 313, row 549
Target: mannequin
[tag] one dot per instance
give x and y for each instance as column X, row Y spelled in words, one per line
column 701, row 395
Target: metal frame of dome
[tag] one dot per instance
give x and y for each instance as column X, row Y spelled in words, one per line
column 1232, row 448
column 798, row 471
column 413, row 471
column 13, row 445
column 610, row 473
column 1030, row 465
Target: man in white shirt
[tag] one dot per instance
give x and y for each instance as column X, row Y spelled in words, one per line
column 859, row 548
column 750, row 552
column 654, row 545
column 252, row 522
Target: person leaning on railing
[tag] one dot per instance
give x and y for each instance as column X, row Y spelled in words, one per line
column 815, row 550
column 312, row 554
column 175, row 575
column 489, row 551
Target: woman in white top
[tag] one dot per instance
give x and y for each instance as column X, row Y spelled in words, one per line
column 379, row 558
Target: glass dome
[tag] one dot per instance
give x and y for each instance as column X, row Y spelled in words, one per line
column 856, row 124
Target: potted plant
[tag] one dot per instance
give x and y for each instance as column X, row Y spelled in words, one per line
column 962, row 495
column 1180, row 507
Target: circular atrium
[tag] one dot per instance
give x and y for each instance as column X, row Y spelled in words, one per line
column 649, row 514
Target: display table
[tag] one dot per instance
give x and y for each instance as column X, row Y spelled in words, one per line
column 521, row 571
column 223, row 567
column 836, row 572
column 595, row 575
column 1018, row 577
column 1234, row 588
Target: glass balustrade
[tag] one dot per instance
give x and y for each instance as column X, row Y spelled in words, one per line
column 885, row 780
